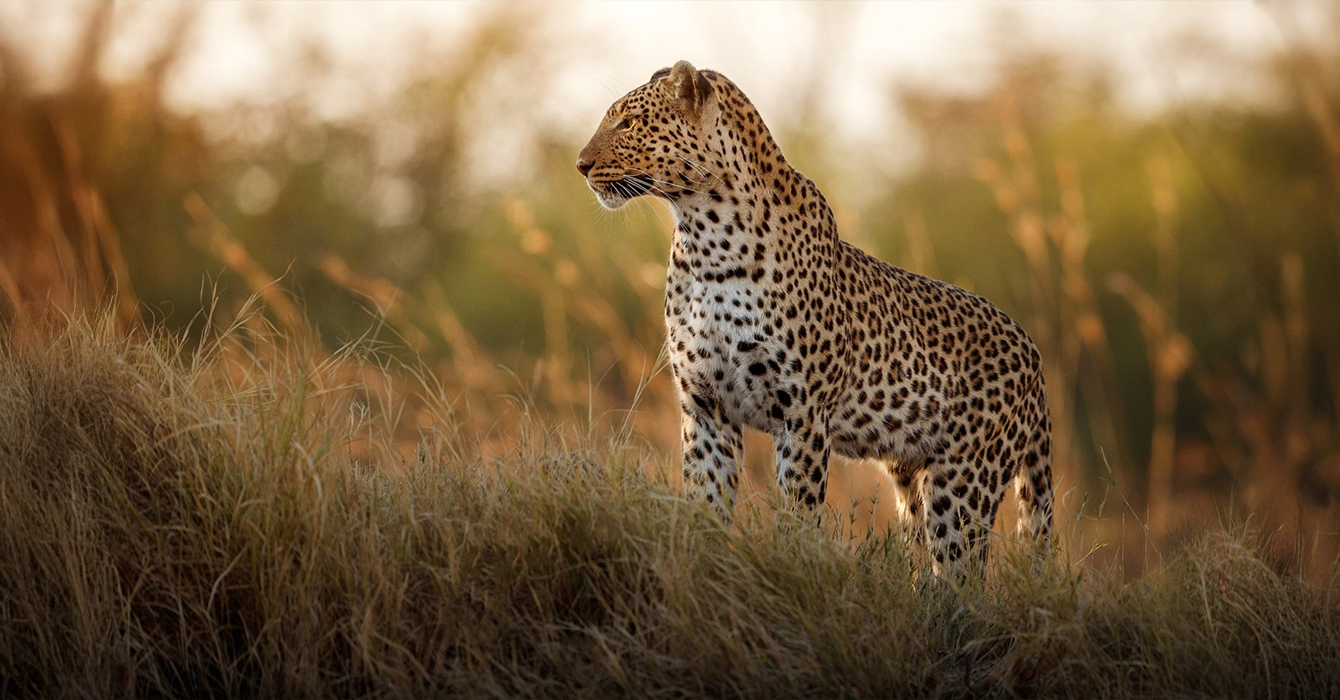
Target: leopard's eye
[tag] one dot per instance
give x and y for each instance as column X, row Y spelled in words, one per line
column 624, row 124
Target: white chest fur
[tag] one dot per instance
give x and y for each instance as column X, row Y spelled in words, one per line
column 719, row 342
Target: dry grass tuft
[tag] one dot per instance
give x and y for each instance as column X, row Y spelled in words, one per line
column 169, row 529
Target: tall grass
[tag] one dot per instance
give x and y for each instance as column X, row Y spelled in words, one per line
column 204, row 522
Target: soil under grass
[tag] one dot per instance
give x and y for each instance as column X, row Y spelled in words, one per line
column 168, row 530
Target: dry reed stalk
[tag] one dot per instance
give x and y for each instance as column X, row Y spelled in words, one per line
column 388, row 298
column 102, row 244
column 470, row 360
column 214, row 238
column 42, row 260
column 564, row 299
column 60, row 248
column 468, row 364
column 586, row 292
column 1328, row 128
column 1170, row 356
column 1084, row 331
column 557, row 363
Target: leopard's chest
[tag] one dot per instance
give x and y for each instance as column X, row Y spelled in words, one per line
column 721, row 345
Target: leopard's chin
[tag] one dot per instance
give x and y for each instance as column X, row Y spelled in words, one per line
column 609, row 200
column 613, row 195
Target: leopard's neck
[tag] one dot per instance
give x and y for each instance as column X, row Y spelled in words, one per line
column 748, row 213
column 750, row 230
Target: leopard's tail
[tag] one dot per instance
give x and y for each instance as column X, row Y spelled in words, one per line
column 1033, row 480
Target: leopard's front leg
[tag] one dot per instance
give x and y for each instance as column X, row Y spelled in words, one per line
column 712, row 449
column 802, row 461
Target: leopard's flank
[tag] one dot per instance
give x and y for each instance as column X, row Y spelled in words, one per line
column 776, row 324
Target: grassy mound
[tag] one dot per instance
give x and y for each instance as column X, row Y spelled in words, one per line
column 167, row 528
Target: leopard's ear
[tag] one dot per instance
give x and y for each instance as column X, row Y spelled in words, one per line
column 688, row 84
column 658, row 75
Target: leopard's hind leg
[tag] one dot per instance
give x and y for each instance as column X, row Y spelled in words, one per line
column 1033, row 481
column 961, row 498
column 907, row 477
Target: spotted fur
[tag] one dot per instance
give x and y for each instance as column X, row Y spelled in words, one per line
column 776, row 324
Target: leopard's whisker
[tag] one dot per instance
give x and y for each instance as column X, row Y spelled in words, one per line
column 666, row 183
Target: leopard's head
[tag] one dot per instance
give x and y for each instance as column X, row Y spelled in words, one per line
column 651, row 140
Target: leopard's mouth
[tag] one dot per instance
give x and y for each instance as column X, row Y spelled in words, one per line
column 614, row 194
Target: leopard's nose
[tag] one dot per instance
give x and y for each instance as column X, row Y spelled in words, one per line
column 584, row 166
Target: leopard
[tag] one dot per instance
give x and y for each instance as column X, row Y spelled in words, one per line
column 774, row 323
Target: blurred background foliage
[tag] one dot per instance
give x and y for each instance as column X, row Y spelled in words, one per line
column 1180, row 267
